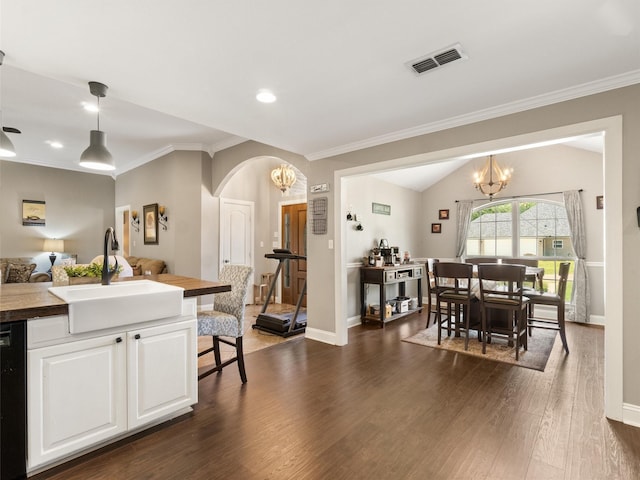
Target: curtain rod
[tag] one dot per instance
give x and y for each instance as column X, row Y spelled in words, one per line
column 519, row 196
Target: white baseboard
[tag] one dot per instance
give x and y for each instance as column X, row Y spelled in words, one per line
column 320, row 335
column 631, row 414
column 354, row 321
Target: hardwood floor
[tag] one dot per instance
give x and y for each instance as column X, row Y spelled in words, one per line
column 381, row 408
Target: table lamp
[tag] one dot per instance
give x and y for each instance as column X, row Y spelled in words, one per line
column 53, row 245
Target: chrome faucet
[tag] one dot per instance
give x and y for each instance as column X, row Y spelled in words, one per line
column 110, row 234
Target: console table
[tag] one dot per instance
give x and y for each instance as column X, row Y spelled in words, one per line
column 389, row 275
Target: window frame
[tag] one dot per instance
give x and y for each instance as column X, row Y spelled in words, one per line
column 515, row 239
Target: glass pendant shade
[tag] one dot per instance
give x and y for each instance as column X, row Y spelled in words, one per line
column 6, row 146
column 96, row 156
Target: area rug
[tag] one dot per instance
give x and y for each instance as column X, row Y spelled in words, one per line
column 540, row 346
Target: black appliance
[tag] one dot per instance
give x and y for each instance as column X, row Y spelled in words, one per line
column 13, row 400
column 282, row 324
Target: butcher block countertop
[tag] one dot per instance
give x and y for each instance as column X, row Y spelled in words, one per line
column 20, row 301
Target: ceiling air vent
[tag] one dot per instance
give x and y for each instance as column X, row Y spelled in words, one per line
column 437, row 59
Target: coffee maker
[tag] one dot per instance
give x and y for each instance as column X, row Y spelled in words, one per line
column 391, row 255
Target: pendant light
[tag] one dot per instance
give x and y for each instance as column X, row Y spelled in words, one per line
column 283, row 177
column 96, row 156
column 7, row 149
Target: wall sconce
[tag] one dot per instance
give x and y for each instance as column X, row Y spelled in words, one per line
column 162, row 217
column 135, row 220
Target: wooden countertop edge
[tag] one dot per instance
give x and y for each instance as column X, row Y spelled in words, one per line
column 19, row 302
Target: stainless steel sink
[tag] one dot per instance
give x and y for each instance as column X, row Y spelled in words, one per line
column 96, row 307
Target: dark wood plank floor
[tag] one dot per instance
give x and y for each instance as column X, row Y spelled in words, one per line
column 381, row 408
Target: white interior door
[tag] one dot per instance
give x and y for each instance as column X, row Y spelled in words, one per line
column 236, row 232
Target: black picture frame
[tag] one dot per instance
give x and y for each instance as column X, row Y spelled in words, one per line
column 600, row 202
column 150, row 224
column 436, row 228
column 443, row 214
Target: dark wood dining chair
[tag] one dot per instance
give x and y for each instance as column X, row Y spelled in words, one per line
column 551, row 299
column 501, row 290
column 453, row 287
column 431, row 286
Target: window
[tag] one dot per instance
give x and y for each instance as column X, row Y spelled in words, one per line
column 520, row 228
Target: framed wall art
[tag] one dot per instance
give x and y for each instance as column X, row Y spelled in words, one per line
column 33, row 213
column 150, row 218
column 436, row 228
column 443, row 214
column 380, row 208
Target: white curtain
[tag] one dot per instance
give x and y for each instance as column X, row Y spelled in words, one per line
column 573, row 205
column 463, row 219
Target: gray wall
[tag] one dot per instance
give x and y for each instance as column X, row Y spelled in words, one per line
column 79, row 209
column 176, row 181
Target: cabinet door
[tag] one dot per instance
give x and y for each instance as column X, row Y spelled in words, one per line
column 76, row 396
column 162, row 374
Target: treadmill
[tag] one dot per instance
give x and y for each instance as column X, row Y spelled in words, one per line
column 282, row 324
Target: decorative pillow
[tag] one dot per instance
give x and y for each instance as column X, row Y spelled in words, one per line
column 137, row 269
column 20, row 273
column 154, row 266
column 4, row 269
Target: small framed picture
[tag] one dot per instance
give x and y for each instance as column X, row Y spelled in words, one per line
column 150, row 218
column 436, row 228
column 599, row 202
column 443, row 214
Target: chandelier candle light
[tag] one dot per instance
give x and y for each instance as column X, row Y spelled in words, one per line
column 497, row 178
column 283, row 177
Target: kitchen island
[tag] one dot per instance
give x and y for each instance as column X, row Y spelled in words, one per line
column 82, row 391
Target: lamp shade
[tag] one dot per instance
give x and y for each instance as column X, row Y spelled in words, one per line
column 6, row 146
column 53, row 245
column 96, row 156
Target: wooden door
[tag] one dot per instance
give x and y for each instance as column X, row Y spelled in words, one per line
column 294, row 237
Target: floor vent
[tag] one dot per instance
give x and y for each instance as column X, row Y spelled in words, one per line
column 437, row 59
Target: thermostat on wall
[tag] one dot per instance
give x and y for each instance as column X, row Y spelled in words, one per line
column 321, row 187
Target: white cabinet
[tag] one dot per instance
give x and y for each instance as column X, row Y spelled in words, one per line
column 76, row 396
column 85, row 390
column 162, row 366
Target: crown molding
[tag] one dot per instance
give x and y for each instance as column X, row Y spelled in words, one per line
column 582, row 90
column 228, row 142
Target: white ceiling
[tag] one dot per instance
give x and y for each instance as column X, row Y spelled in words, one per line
column 184, row 74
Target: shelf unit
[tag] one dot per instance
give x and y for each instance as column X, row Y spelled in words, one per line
column 389, row 275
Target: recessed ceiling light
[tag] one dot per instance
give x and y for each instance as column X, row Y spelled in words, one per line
column 54, row 144
column 90, row 107
column 265, row 96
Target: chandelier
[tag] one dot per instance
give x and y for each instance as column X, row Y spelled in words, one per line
column 283, row 177
column 492, row 178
